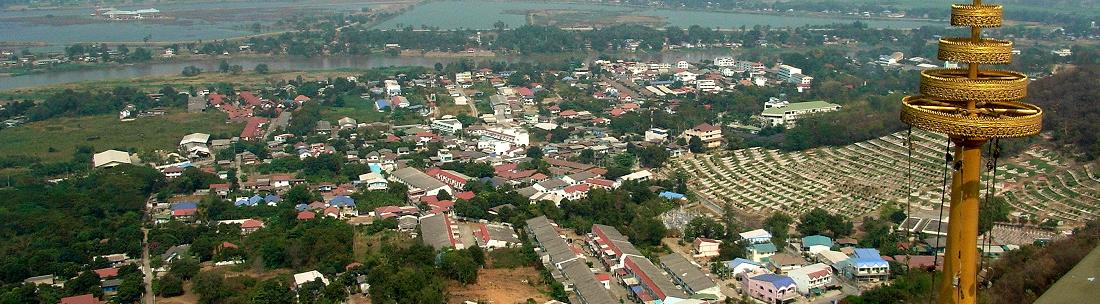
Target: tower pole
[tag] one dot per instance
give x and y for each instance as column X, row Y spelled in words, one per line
column 959, row 284
column 971, row 106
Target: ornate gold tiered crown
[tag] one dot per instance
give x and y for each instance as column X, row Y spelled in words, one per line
column 973, row 102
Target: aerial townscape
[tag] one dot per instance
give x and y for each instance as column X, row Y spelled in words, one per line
column 474, row 151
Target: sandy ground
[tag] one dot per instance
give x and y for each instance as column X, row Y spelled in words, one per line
column 500, row 286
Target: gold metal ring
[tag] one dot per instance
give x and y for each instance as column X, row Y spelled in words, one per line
column 991, row 85
column 984, row 51
column 980, row 126
column 979, row 16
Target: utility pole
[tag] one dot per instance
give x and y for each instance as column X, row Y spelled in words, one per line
column 970, row 106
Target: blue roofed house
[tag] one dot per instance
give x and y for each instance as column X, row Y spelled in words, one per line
column 241, row 201
column 184, row 206
column 867, row 265
column 255, row 200
column 272, row 199
column 301, row 207
column 381, row 105
column 761, row 251
column 738, row 266
column 771, row 288
column 816, row 243
column 345, row 203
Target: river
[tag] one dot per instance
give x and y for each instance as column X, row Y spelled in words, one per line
column 285, row 63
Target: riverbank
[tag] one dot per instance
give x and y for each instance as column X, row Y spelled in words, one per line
column 282, row 63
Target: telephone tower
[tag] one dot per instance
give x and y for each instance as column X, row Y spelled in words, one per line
column 971, row 106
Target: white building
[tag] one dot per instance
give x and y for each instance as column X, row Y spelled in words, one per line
column 815, row 276
column 683, row 65
column 392, row 87
column 309, row 276
column 449, row 126
column 704, row 247
column 789, row 114
column 725, row 61
column 464, row 77
column 514, row 136
column 786, row 72
column 656, row 135
column 110, row 158
column 707, row 85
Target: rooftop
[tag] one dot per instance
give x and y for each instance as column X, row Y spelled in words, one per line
column 799, row 106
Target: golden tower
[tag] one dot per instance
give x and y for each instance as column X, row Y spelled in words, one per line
column 971, row 106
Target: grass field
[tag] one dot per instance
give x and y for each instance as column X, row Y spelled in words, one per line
column 56, row 139
column 360, row 109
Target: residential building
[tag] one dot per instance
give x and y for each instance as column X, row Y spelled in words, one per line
column 308, row 276
column 739, row 266
column 771, row 288
column 867, row 265
column 110, row 158
column 611, row 246
column 392, row 87
column 705, row 248
column 785, row 72
column 812, row 278
column 449, row 126
column 374, row 181
column 453, row 179
column 725, row 61
column 781, row 263
column 81, row 299
column 816, row 243
column 584, row 284
column 656, row 135
column 756, row 236
column 419, row 183
column 195, row 145
column 707, row 85
column 760, row 251
column 464, row 77
column 552, row 248
column 710, row 135
column 492, row 236
column 690, row 277
column 789, row 114
column 440, row 232
column 654, row 283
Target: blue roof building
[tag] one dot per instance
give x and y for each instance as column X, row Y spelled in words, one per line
column 271, row 198
column 671, row 195
column 255, row 200
column 867, row 265
column 184, row 205
column 771, row 288
column 816, row 240
column 301, row 207
column 381, row 104
column 241, row 201
column 342, row 201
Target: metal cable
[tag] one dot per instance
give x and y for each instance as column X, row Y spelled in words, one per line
column 939, row 221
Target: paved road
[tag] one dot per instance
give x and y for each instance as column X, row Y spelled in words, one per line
column 146, row 267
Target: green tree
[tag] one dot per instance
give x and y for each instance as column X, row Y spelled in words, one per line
column 819, row 221
column 224, row 66
column 191, row 71
column 778, row 224
column 261, row 69
column 704, row 227
column 184, row 268
column 86, row 282
column 210, row 286
column 131, row 289
column 996, row 210
column 534, row 152
column 459, row 267
column 169, row 286
column 695, row 145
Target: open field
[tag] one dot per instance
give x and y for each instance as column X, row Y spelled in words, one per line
column 856, row 180
column 244, row 80
column 56, row 139
column 500, row 286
